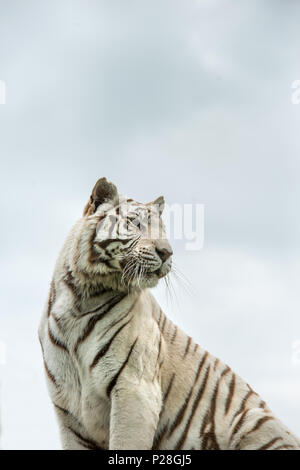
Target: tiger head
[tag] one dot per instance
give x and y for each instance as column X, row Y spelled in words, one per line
column 128, row 240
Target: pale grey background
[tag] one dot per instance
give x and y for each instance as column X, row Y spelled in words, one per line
column 191, row 99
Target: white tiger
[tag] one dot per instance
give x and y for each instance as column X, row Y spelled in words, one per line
column 120, row 374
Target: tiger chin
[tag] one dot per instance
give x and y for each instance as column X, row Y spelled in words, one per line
column 120, row 374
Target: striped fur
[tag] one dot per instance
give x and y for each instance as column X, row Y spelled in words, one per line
column 120, row 374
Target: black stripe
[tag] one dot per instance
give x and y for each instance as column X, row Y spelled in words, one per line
column 119, row 319
column 159, row 348
column 263, row 404
column 158, row 362
column 69, row 280
column 174, row 334
column 260, row 422
column 182, row 410
column 63, row 410
column 209, row 438
column 56, row 341
column 96, row 257
column 199, row 395
column 164, row 323
column 238, row 425
column 187, row 346
column 58, row 322
column 105, row 243
column 165, row 397
column 204, row 423
column 166, row 394
column 116, row 376
column 105, row 348
column 243, row 404
column 213, row 438
column 108, row 303
column 51, row 298
column 159, row 436
column 93, row 321
column 270, row 443
column 50, row 375
column 230, row 394
column 91, row 258
column 87, row 443
column 68, row 414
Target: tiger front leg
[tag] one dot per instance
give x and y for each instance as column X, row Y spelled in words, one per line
column 134, row 415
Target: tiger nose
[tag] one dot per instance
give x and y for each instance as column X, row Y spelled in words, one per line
column 164, row 253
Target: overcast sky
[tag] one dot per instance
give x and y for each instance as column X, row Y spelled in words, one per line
column 187, row 99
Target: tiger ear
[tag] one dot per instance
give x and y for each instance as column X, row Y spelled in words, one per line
column 103, row 191
column 160, row 204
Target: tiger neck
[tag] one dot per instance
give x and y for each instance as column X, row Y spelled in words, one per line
column 89, row 290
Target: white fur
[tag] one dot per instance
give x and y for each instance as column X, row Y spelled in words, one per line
column 137, row 414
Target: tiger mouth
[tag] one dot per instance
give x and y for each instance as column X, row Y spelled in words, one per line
column 160, row 273
column 143, row 274
column 149, row 274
